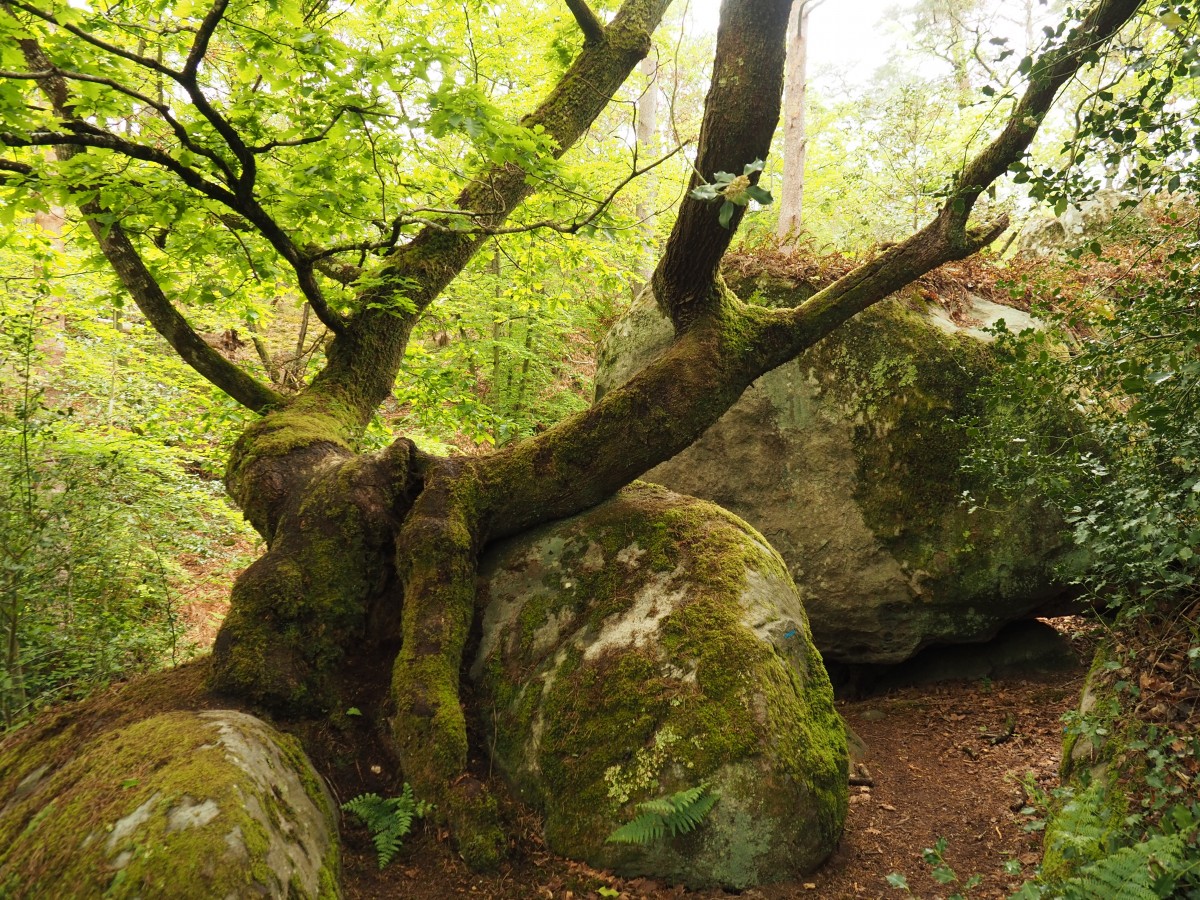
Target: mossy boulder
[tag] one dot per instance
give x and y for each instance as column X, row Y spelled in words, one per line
column 848, row 461
column 654, row 644
column 1102, row 213
column 182, row 804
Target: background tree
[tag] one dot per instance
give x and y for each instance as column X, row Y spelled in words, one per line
column 218, row 154
column 795, row 135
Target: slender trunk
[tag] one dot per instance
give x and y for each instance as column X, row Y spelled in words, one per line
column 303, row 335
column 795, row 133
column 114, row 374
column 523, row 381
column 647, row 149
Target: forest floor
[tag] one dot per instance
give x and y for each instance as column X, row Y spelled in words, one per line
column 944, row 761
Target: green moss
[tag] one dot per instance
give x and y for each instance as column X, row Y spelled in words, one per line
column 99, row 822
column 295, row 611
column 1093, row 765
column 909, row 391
column 590, row 729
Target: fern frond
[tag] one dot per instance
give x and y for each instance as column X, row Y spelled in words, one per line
column 678, row 813
column 660, row 807
column 687, row 817
column 1144, row 871
column 645, row 829
column 1082, row 829
column 388, row 819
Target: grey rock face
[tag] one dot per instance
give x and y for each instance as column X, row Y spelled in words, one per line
column 180, row 805
column 1048, row 234
column 847, row 461
column 651, row 645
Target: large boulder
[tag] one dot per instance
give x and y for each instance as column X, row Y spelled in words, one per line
column 651, row 645
column 182, row 804
column 848, row 461
column 1105, row 210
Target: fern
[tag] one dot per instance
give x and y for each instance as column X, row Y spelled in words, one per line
column 679, row 813
column 1144, row 871
column 388, row 819
column 1083, row 829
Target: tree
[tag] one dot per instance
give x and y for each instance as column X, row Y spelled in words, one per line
column 795, row 134
column 254, row 134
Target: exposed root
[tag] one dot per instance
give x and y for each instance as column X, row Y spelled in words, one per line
column 436, row 558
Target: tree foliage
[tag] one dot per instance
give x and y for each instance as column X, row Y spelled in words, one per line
column 360, row 160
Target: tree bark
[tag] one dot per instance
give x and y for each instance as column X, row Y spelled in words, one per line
column 795, row 130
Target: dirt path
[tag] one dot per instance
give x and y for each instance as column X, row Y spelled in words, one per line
column 942, row 761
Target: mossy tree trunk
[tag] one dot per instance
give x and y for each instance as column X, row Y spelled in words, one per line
column 378, row 552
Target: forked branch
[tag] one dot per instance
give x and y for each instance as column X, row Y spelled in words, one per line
column 589, row 23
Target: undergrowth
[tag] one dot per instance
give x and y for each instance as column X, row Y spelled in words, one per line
column 389, row 819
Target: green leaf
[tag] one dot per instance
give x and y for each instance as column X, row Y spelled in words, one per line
column 757, row 193
column 898, row 881
column 676, row 814
column 726, row 214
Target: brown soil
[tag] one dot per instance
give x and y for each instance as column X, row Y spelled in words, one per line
column 942, row 761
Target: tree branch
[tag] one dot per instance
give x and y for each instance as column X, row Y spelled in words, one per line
column 170, row 323
column 162, row 109
column 143, row 61
column 420, row 269
column 740, row 115
column 82, row 134
column 203, row 35
column 23, row 170
column 573, row 226
column 674, row 399
column 137, row 279
column 948, row 237
column 589, row 24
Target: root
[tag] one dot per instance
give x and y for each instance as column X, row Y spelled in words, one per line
column 436, row 557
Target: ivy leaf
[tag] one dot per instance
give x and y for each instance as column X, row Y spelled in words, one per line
column 898, row 881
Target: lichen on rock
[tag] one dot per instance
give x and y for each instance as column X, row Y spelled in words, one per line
column 848, row 460
column 180, row 804
column 650, row 645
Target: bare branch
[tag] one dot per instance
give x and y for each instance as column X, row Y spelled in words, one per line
column 589, row 24
column 203, row 36
column 1048, row 75
column 312, row 139
column 949, row 237
column 573, row 226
